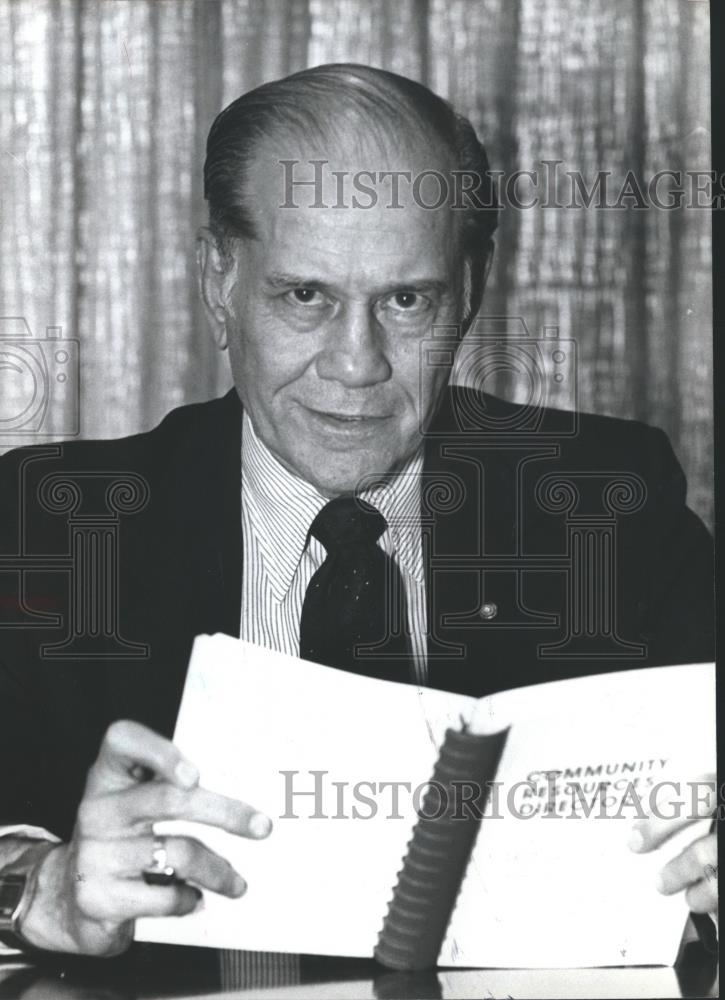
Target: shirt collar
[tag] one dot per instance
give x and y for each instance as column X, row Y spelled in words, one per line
column 282, row 506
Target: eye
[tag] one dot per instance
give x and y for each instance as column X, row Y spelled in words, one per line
column 306, row 296
column 408, row 302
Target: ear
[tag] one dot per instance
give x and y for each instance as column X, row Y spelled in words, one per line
column 475, row 277
column 217, row 276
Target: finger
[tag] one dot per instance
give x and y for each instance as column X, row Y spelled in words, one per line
column 192, row 861
column 129, row 750
column 689, row 802
column 135, row 810
column 702, row 897
column 120, row 900
column 692, row 865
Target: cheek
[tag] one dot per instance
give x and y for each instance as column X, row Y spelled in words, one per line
column 267, row 358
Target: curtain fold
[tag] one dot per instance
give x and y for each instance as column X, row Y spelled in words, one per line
column 104, row 109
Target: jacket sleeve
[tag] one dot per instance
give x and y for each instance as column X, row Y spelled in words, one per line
column 40, row 778
column 22, row 733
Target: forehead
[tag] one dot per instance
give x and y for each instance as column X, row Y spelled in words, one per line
column 368, row 200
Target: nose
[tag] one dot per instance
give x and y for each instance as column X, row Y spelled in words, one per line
column 353, row 354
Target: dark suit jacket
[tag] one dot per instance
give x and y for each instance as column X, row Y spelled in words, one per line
column 522, row 517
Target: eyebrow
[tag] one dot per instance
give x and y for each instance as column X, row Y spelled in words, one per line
column 281, row 279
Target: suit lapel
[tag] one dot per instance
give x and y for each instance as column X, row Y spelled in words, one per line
column 471, row 483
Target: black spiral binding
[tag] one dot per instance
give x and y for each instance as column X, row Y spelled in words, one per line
column 439, row 851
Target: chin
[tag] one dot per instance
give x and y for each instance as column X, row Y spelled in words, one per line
column 335, row 487
column 334, row 482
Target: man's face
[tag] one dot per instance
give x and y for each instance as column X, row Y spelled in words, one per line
column 327, row 314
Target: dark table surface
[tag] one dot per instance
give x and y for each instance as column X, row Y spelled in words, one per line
column 153, row 972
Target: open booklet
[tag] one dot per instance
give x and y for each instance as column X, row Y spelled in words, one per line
column 427, row 828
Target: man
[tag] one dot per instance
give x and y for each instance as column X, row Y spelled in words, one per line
column 349, row 471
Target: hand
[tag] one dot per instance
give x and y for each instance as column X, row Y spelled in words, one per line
column 694, row 870
column 90, row 891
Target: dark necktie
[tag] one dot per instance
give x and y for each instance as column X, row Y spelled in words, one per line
column 356, row 598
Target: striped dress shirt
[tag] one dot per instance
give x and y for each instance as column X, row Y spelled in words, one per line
column 280, row 559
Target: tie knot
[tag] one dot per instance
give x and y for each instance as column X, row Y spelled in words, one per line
column 347, row 521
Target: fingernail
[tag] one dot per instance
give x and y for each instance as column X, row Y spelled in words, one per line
column 240, row 886
column 186, row 774
column 636, row 841
column 661, row 884
column 260, row 825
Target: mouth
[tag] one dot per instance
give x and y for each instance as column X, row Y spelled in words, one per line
column 347, row 421
column 349, row 417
